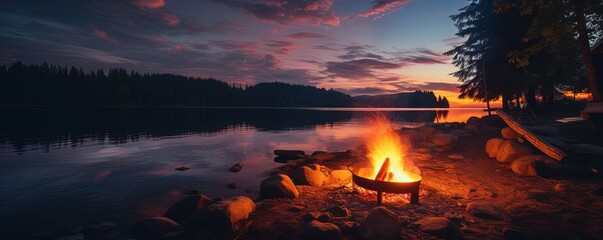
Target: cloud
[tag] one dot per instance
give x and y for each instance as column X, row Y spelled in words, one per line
column 358, row 69
column 100, row 34
column 450, row 87
column 171, row 19
column 307, row 35
column 150, row 4
column 383, row 7
column 281, row 47
column 235, row 45
column 421, row 56
column 365, row 91
column 302, row 12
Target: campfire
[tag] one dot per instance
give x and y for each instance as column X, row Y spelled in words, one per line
column 389, row 171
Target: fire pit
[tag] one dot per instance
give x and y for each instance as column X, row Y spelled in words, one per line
column 411, row 187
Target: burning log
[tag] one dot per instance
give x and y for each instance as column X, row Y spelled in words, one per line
column 383, row 171
column 390, row 176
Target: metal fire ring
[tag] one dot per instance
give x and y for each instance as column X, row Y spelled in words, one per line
column 389, row 187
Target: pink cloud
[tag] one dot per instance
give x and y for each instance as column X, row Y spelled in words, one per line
column 383, row 7
column 100, row 34
column 170, row 19
column 312, row 12
column 178, row 48
column 150, row 4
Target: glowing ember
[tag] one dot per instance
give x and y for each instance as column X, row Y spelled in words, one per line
column 382, row 143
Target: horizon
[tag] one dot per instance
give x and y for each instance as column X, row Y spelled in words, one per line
column 359, row 48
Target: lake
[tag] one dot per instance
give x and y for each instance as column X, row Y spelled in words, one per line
column 64, row 168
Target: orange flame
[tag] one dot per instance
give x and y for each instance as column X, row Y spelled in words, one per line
column 385, row 142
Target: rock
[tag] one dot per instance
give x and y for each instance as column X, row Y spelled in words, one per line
column 556, row 142
column 532, row 165
column 493, row 146
column 380, row 224
column 509, row 133
column 217, row 199
column 456, row 157
column 236, row 167
column 181, row 169
column 473, row 120
column 278, row 186
column 561, row 187
column 222, row 216
column 484, row 211
column 348, row 226
column 587, row 149
column 323, row 157
column 420, row 156
column 427, row 132
column 321, row 231
column 310, row 216
column 325, row 217
column 317, row 152
column 186, row 207
column 154, row 228
column 359, row 215
column 422, row 150
column 340, row 177
column 290, row 154
column 339, row 212
column 511, row 233
column 77, row 236
column 472, row 129
column 296, row 208
column 413, row 136
column 493, row 120
column 460, row 133
column 545, row 130
column 443, row 139
column 308, row 176
column 438, row 226
column 232, row 185
column 511, row 150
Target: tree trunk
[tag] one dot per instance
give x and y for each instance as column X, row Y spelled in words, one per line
column 531, row 96
column 585, row 47
column 505, row 102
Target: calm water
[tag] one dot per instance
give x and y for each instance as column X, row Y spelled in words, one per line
column 63, row 168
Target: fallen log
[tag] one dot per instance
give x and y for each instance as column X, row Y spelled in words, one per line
column 534, row 139
column 383, row 171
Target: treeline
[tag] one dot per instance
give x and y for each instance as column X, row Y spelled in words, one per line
column 61, row 86
column 525, row 49
column 416, row 99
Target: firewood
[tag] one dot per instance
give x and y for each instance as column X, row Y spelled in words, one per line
column 390, row 176
column 382, row 174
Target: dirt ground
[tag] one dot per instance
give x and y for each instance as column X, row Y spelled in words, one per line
column 533, row 205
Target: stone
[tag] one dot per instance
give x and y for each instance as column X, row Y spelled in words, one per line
column 186, row 207
column 443, row 139
column 456, row 157
column 438, row 226
column 317, row 152
column 349, row 226
column 485, row 211
column 278, row 186
column 310, row 216
column 296, row 208
column 561, row 187
column 531, row 165
column 511, row 150
column 422, row 150
column 420, row 156
column 380, row 224
column 325, row 217
column 222, row 216
column 308, row 176
column 493, row 146
column 545, row 130
column 339, row 212
column 473, row 120
column 427, row 132
column 323, row 157
column 472, row 129
column 154, row 228
column 556, row 142
column 316, row 230
column 235, row 168
column 460, row 133
column 509, row 133
column 340, row 177
column 290, row 154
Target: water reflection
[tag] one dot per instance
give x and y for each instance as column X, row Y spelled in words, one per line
column 55, row 128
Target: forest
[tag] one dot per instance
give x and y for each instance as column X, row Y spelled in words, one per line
column 50, row 85
column 536, row 51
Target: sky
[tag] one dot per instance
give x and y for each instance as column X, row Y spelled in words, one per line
column 358, row 47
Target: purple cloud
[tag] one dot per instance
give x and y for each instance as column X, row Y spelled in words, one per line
column 383, row 7
column 307, row 35
column 358, row 69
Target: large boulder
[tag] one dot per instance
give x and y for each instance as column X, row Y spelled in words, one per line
column 511, row 150
column 493, row 145
column 556, row 142
column 380, row 224
column 472, row 129
column 545, row 130
column 290, row 154
column 473, row 120
column 485, row 211
column 339, row 212
column 316, row 230
column 509, row 133
column 460, row 133
column 308, row 176
column 321, row 157
column 438, row 226
column 340, row 177
column 278, row 186
column 443, row 139
column 532, row 165
column 222, row 216
column 186, row 207
column 154, row 228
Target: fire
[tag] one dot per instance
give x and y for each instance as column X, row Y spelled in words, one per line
column 385, row 142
